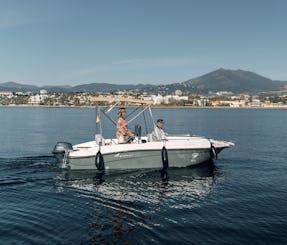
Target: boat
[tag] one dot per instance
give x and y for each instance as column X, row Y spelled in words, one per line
column 142, row 152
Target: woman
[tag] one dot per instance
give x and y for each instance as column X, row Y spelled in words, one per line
column 123, row 132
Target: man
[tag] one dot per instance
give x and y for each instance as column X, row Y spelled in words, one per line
column 158, row 134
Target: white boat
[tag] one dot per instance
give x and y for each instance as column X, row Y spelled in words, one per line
column 141, row 153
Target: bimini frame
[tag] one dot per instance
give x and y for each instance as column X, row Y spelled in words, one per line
column 115, row 102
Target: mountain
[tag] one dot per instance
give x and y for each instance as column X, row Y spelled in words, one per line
column 235, row 81
column 92, row 88
column 15, row 87
column 106, row 87
column 56, row 89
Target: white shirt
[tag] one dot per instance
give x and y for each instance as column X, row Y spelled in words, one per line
column 158, row 134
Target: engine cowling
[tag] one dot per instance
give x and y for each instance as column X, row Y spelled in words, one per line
column 62, row 147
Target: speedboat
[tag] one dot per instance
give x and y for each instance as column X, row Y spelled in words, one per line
column 141, row 153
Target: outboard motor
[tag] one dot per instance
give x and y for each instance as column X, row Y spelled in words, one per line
column 60, row 149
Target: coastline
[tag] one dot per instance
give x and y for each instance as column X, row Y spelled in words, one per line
column 154, row 106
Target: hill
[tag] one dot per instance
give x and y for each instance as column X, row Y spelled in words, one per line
column 235, row 81
column 91, row 88
column 17, row 87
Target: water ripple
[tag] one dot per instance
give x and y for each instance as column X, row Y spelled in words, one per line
column 136, row 201
column 135, row 207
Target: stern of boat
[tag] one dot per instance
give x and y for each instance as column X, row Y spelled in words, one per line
column 61, row 151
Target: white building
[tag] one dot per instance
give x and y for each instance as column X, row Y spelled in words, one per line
column 159, row 99
column 6, row 94
column 178, row 92
column 37, row 99
column 43, row 92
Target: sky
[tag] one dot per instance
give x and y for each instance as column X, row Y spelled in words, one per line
column 72, row 42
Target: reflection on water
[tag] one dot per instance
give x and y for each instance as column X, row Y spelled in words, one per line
column 128, row 202
column 136, row 184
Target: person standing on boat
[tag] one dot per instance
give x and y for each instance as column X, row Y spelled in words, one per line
column 158, row 134
column 123, row 133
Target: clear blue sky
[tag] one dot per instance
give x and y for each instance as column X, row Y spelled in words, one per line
column 70, row 42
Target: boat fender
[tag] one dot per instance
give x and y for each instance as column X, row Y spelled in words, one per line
column 164, row 158
column 213, row 152
column 99, row 161
column 164, row 175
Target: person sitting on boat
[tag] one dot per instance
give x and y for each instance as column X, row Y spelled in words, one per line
column 158, row 134
column 124, row 135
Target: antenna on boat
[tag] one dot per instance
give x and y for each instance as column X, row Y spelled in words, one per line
column 99, row 160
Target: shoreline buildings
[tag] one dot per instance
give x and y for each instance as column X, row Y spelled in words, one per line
column 220, row 99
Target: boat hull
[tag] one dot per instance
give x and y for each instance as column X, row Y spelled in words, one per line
column 143, row 159
column 181, row 152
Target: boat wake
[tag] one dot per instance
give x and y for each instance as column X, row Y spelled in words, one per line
column 112, row 204
column 26, row 162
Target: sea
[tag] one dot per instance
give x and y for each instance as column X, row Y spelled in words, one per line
column 240, row 198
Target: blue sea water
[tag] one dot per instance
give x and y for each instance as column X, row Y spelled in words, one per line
column 239, row 199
